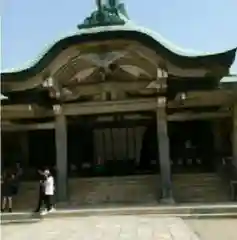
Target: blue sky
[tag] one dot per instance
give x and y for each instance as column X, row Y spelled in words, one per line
column 28, row 26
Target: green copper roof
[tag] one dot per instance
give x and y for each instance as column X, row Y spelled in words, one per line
column 129, row 26
column 111, row 17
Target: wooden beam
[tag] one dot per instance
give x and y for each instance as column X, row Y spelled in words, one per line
column 194, row 99
column 110, row 107
column 11, row 127
column 173, row 117
column 179, row 117
column 203, row 98
column 24, row 111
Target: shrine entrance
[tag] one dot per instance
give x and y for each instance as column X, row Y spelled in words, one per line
column 107, row 147
column 113, row 145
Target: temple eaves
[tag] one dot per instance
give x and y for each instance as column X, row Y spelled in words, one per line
column 129, row 26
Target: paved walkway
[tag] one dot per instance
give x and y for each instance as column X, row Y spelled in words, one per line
column 102, row 227
column 216, row 229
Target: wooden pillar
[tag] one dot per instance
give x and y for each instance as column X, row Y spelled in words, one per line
column 234, row 139
column 164, row 151
column 61, row 153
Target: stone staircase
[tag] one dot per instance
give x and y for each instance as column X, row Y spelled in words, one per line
column 200, row 188
column 27, row 197
column 139, row 189
column 128, row 190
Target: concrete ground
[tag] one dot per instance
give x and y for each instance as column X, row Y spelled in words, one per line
column 101, row 227
column 216, row 229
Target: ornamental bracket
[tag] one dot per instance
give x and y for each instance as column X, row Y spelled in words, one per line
column 55, row 90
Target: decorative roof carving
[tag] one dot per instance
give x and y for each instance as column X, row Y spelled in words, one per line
column 108, row 13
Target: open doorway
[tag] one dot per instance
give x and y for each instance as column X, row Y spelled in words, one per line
column 110, row 148
column 192, row 146
column 42, row 151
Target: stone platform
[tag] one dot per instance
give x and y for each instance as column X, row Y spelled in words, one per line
column 137, row 189
column 184, row 211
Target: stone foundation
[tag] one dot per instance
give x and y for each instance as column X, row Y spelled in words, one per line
column 140, row 189
column 83, row 191
column 131, row 189
column 199, row 188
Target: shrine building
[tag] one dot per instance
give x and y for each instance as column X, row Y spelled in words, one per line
column 122, row 115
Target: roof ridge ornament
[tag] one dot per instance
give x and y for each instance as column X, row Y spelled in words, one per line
column 108, row 13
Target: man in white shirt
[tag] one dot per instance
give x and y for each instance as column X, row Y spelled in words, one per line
column 49, row 189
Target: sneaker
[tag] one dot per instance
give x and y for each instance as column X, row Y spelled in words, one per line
column 52, row 210
column 44, row 212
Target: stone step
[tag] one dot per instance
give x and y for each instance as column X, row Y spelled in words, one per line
column 202, row 187
column 206, row 187
column 184, row 211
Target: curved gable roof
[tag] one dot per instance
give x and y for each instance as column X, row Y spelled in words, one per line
column 131, row 32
